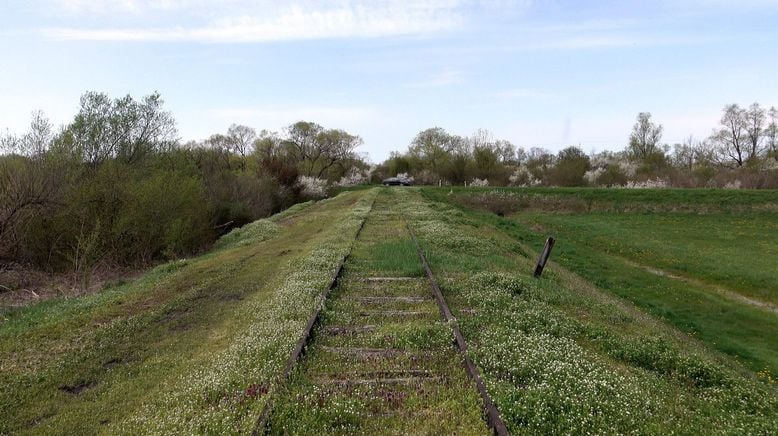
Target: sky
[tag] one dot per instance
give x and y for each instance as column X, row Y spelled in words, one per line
column 538, row 73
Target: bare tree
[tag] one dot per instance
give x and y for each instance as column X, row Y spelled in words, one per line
column 645, row 137
column 771, row 133
column 683, row 154
column 333, row 147
column 755, row 118
column 240, row 140
column 121, row 128
column 732, row 138
column 301, row 140
column 27, row 184
column 316, row 150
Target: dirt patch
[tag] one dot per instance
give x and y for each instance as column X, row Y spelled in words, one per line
column 495, row 202
column 231, row 297
column 78, row 388
column 116, row 361
column 23, row 285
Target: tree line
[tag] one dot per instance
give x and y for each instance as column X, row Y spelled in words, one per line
column 116, row 187
column 741, row 152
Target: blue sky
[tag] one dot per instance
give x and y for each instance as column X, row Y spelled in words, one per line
column 538, row 73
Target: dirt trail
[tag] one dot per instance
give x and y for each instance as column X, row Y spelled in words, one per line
column 726, row 293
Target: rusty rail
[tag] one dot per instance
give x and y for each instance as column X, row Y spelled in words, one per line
column 493, row 415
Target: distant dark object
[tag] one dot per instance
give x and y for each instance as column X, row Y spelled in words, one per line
column 544, row 257
column 397, row 181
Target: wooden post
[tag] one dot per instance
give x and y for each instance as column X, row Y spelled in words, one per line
column 544, row 257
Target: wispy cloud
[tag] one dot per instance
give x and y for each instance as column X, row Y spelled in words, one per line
column 308, row 20
column 442, row 79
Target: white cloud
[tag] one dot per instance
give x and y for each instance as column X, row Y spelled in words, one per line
column 242, row 22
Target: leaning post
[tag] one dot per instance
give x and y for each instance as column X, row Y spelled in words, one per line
column 544, row 257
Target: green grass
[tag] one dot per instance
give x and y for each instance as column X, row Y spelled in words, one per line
column 598, row 345
column 695, row 270
column 190, row 347
column 559, row 355
column 737, row 252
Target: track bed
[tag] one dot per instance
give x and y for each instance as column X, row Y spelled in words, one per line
column 381, row 360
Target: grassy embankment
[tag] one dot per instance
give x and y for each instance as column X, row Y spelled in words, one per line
column 192, row 346
column 559, row 355
column 705, row 260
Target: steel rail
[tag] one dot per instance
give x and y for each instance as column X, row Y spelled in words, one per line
column 493, row 415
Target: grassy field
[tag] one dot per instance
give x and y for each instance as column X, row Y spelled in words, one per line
column 703, row 260
column 600, row 344
column 561, row 355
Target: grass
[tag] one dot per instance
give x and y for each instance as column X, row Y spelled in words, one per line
column 599, row 345
column 193, row 346
column 561, row 356
column 710, row 274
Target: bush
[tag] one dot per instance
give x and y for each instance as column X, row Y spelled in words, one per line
column 162, row 216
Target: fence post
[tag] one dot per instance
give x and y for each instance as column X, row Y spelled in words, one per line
column 544, row 255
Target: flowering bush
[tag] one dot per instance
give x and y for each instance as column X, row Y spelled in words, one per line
column 592, row 175
column 648, row 184
column 479, row 183
column 355, row 177
column 313, row 187
column 736, row 184
column 405, row 176
column 523, row 177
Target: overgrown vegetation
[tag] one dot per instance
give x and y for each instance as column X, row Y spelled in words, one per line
column 192, row 347
column 197, row 346
column 115, row 188
column 382, row 361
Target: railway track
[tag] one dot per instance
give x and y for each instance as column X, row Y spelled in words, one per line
column 378, row 355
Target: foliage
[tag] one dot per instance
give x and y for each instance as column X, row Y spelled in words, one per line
column 114, row 186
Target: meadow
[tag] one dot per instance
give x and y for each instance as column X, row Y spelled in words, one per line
column 704, row 260
column 621, row 338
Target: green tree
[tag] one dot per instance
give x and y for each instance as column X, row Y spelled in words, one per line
column 571, row 166
column 645, row 137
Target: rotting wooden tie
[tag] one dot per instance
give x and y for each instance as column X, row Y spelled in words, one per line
column 348, row 330
column 365, row 352
column 392, row 313
column 369, row 300
column 381, row 381
column 390, row 279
